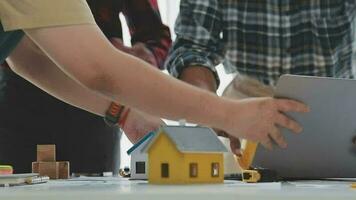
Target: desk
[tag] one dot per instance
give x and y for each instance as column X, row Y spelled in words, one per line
column 108, row 188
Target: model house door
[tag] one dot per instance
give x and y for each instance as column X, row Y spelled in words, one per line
column 164, row 170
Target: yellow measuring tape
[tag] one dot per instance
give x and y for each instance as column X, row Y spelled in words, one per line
column 248, row 154
column 250, row 174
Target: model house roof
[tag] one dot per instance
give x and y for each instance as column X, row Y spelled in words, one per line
column 191, row 139
column 147, row 137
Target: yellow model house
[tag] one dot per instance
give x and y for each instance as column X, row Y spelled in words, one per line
column 185, row 155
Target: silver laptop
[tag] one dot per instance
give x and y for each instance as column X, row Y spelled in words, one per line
column 326, row 148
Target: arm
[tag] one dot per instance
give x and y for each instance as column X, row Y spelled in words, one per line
column 190, row 60
column 146, row 28
column 201, row 77
column 31, row 63
column 205, row 79
column 119, row 77
column 198, row 44
column 106, row 15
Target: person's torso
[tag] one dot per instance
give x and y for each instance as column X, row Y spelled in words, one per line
column 265, row 39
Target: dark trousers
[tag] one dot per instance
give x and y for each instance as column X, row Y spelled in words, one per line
column 29, row 116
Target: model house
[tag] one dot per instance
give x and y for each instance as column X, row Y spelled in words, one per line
column 139, row 159
column 184, row 155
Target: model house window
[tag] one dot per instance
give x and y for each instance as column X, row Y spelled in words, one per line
column 164, row 170
column 193, row 170
column 215, row 169
column 140, row 167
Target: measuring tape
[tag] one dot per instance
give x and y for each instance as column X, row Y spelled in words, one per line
column 248, row 154
column 253, row 175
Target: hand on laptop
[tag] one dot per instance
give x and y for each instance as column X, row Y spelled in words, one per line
column 259, row 119
column 264, row 115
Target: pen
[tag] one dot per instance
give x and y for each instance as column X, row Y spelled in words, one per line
column 37, row 180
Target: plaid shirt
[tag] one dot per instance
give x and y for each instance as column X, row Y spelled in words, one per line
column 143, row 19
column 265, row 39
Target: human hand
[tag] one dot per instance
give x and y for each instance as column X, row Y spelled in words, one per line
column 139, row 124
column 235, row 144
column 138, row 50
column 259, row 119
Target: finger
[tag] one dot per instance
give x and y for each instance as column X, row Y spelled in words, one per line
column 145, row 54
column 278, row 138
column 286, row 105
column 150, row 60
column 118, row 44
column 220, row 132
column 267, row 143
column 286, row 122
column 140, row 48
column 235, row 146
column 116, row 40
column 139, row 45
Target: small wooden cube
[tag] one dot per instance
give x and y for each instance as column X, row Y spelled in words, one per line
column 49, row 169
column 46, row 153
column 63, row 170
column 35, row 167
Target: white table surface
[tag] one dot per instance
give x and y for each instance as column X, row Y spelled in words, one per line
column 108, row 188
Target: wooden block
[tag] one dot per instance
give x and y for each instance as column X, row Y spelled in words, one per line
column 63, row 170
column 46, row 153
column 49, row 169
column 35, row 167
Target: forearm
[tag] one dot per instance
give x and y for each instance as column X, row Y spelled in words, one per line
column 199, row 76
column 32, row 64
column 123, row 78
column 157, row 93
column 203, row 78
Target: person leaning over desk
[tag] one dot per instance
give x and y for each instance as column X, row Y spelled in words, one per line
column 91, row 78
column 82, row 138
column 260, row 41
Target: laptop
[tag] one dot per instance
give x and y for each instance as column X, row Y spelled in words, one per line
column 326, row 148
